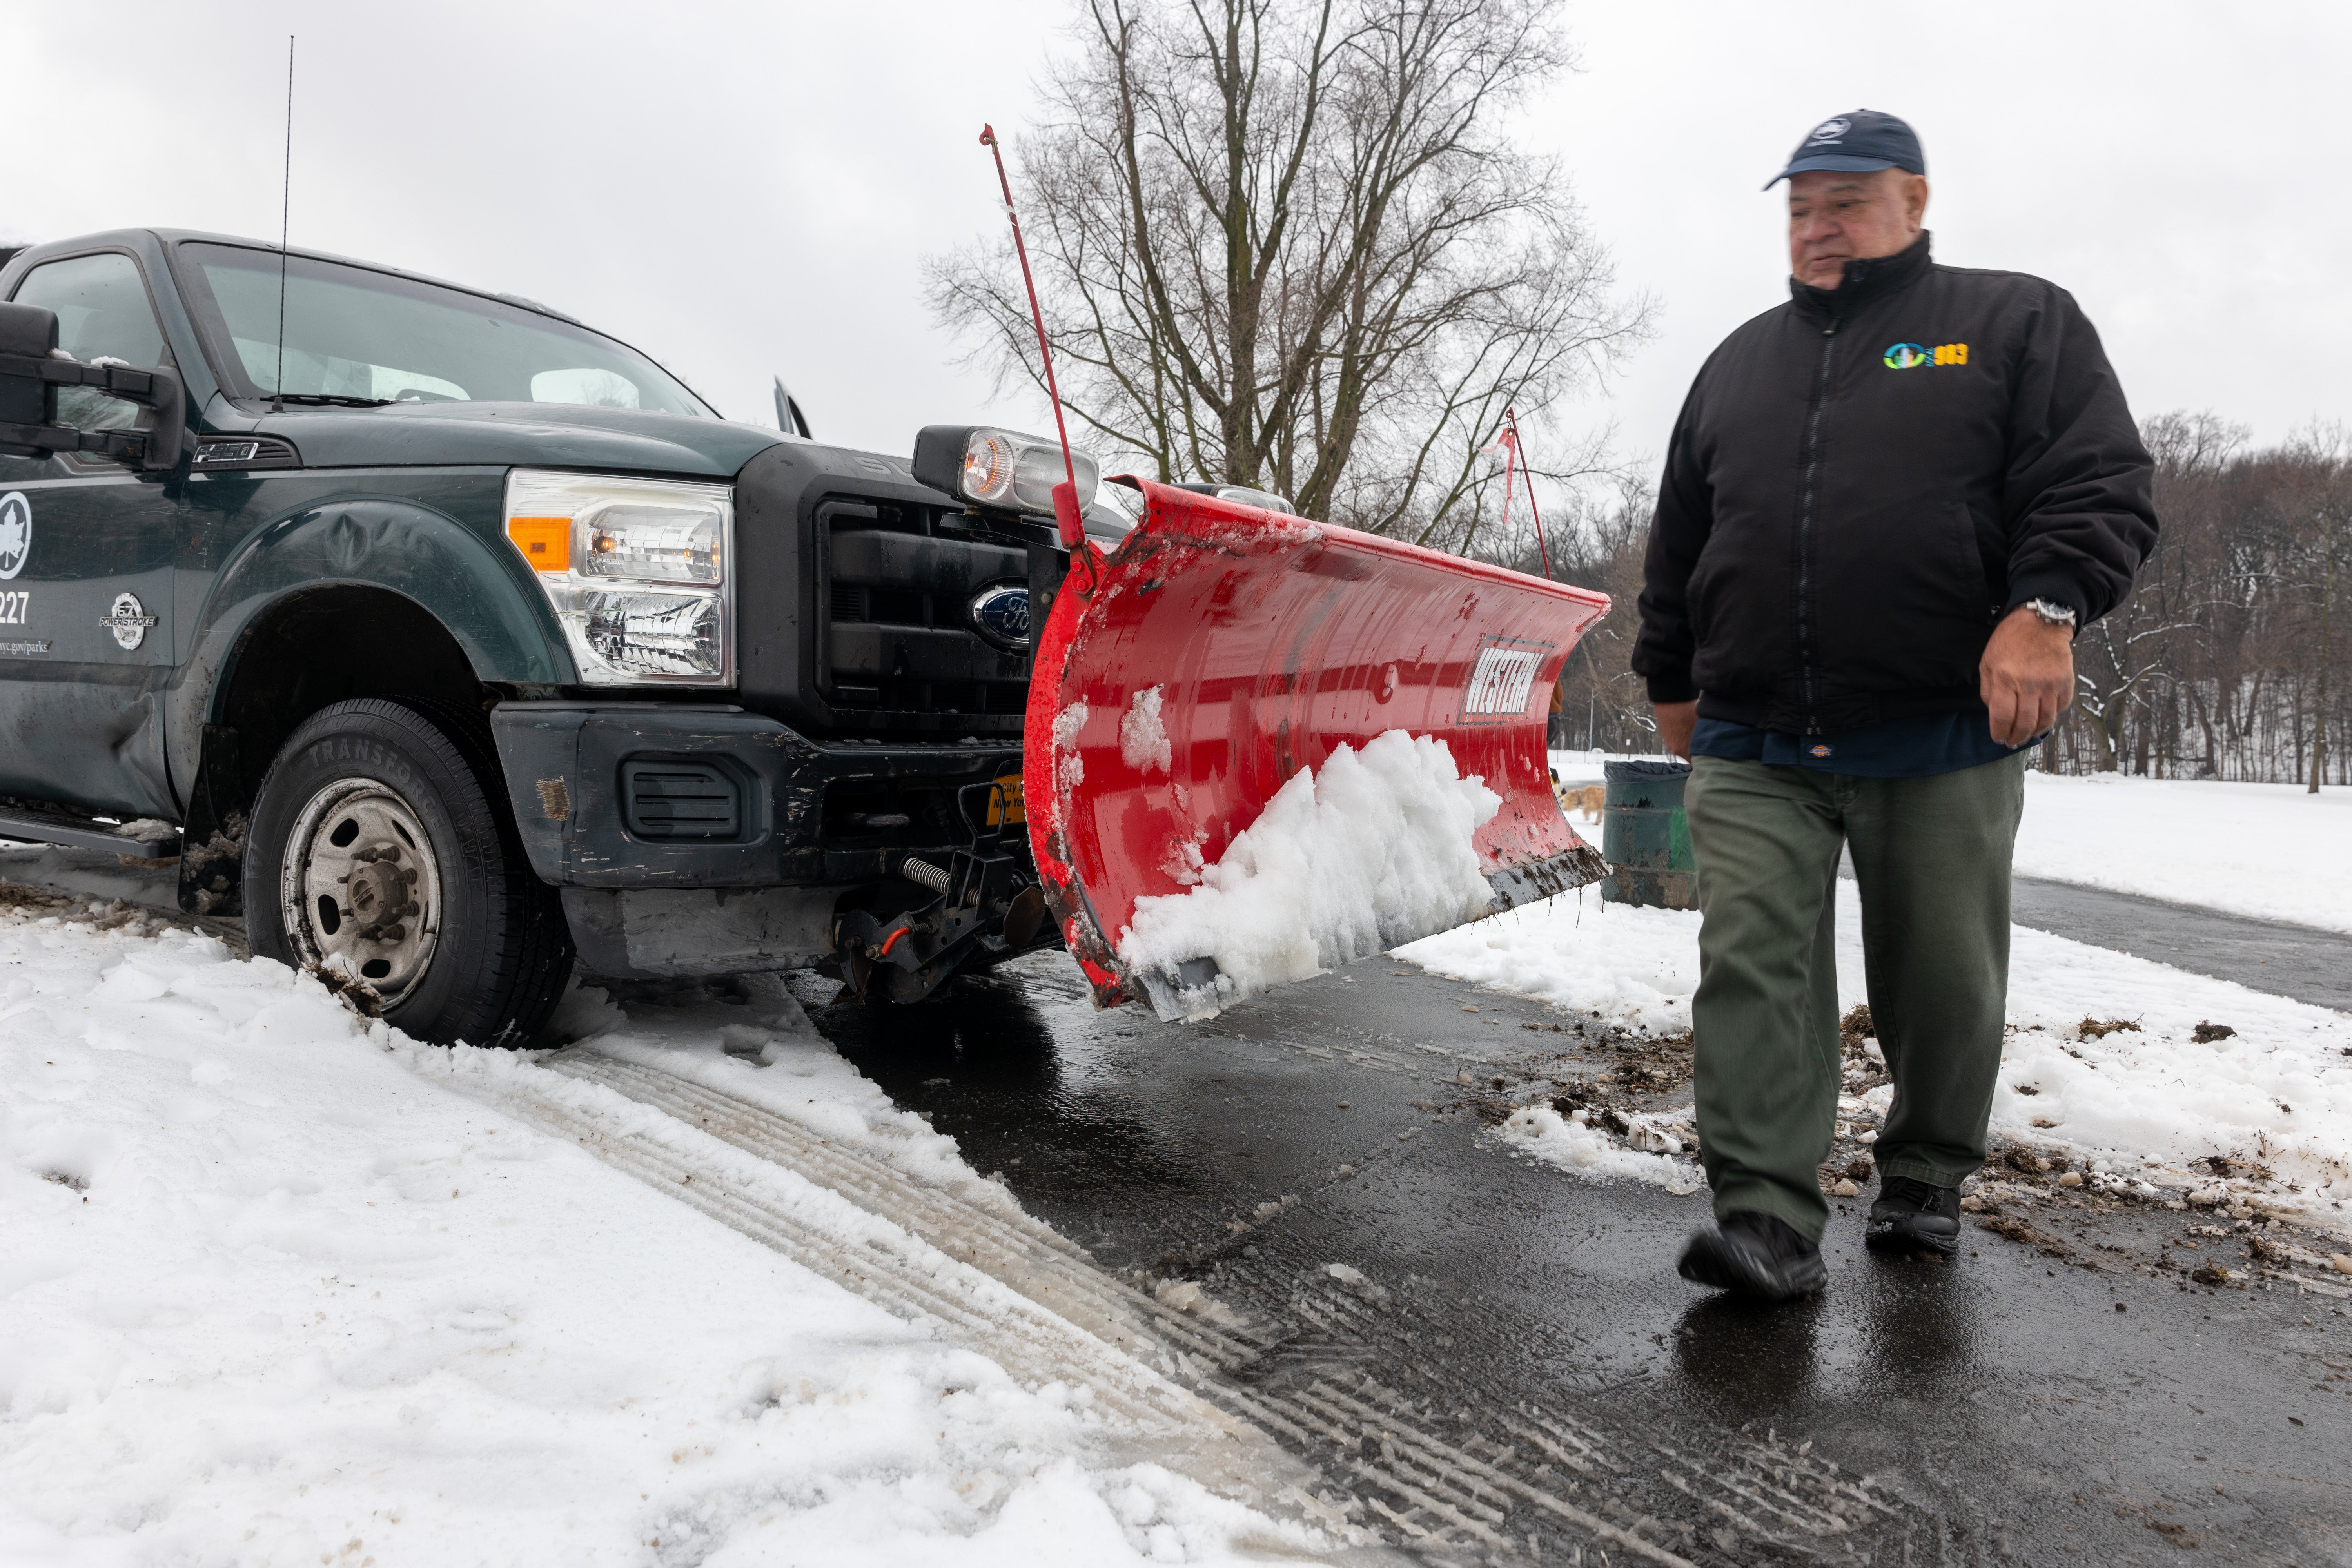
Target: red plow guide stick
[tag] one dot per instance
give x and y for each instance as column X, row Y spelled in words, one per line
column 1274, row 641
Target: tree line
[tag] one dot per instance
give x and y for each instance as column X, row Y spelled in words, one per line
column 2221, row 665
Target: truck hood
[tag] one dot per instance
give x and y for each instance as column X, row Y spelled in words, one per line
column 554, row 435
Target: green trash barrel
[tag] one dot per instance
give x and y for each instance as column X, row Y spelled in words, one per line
column 1646, row 837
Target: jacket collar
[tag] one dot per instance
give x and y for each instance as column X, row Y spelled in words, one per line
column 1866, row 278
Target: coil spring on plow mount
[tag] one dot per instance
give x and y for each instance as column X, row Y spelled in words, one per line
column 989, row 908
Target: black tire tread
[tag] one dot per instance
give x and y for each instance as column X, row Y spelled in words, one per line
column 526, row 932
column 541, row 950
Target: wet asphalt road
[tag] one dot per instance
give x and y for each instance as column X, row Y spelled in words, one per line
column 2024, row 1416
column 2295, row 961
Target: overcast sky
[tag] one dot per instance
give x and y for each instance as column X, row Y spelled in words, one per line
column 748, row 189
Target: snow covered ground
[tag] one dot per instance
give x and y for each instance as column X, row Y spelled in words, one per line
column 1581, row 767
column 280, row 1286
column 2274, row 851
column 2145, row 1101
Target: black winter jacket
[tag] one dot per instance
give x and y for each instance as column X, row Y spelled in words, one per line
column 1865, row 481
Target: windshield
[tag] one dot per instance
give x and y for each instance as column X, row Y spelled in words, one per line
column 356, row 336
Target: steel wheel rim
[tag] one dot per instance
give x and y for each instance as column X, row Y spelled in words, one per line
column 360, row 889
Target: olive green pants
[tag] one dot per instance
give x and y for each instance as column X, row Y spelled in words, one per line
column 1931, row 862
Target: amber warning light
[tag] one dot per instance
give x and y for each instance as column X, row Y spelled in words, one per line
column 545, row 541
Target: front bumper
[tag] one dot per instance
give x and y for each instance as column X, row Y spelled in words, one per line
column 805, row 814
column 746, row 874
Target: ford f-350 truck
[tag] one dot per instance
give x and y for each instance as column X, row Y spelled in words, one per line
column 456, row 637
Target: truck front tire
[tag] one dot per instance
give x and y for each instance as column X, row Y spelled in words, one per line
column 382, row 855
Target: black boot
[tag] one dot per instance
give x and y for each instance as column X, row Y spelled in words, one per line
column 1753, row 1254
column 1913, row 1217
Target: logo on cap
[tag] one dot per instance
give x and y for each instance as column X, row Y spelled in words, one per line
column 1830, row 130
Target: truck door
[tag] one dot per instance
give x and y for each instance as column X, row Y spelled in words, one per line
column 87, row 545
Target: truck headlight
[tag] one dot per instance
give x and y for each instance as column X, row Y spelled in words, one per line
column 636, row 572
column 1000, row 468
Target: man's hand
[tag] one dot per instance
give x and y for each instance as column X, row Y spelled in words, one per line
column 2026, row 676
column 1674, row 721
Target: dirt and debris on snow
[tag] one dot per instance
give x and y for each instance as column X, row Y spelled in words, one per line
column 2112, row 1061
column 1621, row 1111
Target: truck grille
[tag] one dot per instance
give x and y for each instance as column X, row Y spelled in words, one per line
column 896, row 635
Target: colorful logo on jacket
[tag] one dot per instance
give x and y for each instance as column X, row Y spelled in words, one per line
column 1906, row 356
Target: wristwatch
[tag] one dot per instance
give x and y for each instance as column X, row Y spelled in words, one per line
column 2050, row 614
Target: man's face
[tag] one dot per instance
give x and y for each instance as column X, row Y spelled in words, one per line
column 1834, row 218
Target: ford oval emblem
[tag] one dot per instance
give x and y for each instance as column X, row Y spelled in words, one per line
column 1000, row 616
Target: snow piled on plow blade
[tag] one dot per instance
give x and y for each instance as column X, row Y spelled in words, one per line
column 1184, row 682
column 1374, row 849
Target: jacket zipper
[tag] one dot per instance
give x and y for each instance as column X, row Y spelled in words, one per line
column 1805, row 525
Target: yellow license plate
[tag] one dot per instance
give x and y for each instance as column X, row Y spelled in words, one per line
column 1004, row 802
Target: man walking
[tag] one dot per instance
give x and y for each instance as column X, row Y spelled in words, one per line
column 1888, row 506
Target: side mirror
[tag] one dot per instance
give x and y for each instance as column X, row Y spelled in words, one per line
column 30, row 375
column 789, row 417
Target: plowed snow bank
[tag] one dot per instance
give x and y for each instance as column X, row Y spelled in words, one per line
column 268, row 1294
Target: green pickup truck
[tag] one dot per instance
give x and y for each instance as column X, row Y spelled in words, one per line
column 447, row 639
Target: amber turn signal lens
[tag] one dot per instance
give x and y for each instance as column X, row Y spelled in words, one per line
column 545, row 541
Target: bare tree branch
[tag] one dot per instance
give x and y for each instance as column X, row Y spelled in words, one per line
column 1290, row 243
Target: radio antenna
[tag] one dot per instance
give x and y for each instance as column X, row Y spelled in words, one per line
column 285, row 223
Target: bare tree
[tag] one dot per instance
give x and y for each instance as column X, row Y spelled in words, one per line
column 2220, row 665
column 1290, row 244
column 2325, row 495
column 2125, row 664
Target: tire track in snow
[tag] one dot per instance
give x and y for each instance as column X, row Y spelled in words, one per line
column 1212, row 1391
column 1010, row 1290
column 1021, row 1253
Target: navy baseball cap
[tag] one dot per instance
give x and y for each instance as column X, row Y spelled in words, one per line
column 1855, row 142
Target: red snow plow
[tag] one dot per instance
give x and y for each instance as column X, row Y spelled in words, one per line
column 1182, row 680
